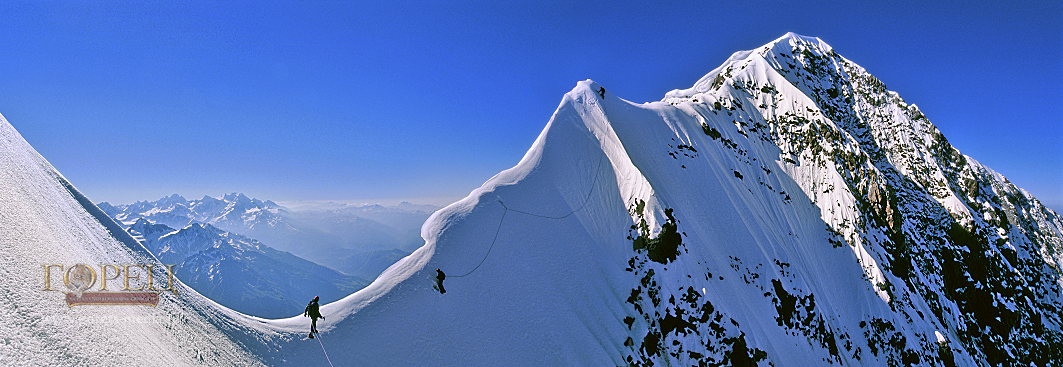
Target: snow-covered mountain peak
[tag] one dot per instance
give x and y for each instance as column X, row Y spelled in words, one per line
column 790, row 155
column 172, row 199
column 768, row 65
column 146, row 230
column 239, row 199
column 791, row 39
column 787, row 210
column 198, row 229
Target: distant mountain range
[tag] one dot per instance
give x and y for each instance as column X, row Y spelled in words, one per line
column 242, row 273
column 210, row 241
column 336, row 238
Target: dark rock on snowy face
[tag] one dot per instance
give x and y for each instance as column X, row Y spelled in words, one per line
column 663, row 248
column 947, row 218
column 691, row 315
column 944, row 241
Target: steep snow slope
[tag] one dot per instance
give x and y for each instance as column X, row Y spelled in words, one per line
column 45, row 220
column 787, row 210
column 976, row 251
column 554, row 291
column 518, row 306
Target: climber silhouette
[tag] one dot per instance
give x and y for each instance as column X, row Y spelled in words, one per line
column 312, row 310
column 439, row 281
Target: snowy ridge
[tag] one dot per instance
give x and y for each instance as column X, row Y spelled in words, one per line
column 787, row 210
column 810, row 213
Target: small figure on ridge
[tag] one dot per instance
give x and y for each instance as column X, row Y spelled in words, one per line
column 314, row 313
column 439, row 281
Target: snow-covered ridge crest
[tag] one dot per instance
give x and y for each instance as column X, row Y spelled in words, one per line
column 788, row 210
column 783, row 211
column 741, row 59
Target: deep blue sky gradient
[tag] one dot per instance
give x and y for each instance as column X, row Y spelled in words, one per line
column 370, row 101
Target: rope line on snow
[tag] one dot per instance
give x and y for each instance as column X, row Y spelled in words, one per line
column 507, row 210
column 492, row 244
column 323, row 350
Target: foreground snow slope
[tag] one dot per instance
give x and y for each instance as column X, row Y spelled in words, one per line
column 45, row 220
column 787, row 210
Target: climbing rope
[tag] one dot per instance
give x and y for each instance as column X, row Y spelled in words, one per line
column 492, row 243
column 323, row 350
column 507, row 210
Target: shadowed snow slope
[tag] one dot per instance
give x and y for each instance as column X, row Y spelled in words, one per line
column 786, row 210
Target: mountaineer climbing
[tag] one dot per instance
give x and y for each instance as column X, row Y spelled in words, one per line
column 439, row 281
column 314, row 314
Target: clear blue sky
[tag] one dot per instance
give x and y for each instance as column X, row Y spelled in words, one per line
column 351, row 100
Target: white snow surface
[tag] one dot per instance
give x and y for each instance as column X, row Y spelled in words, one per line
column 44, row 220
column 543, row 283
